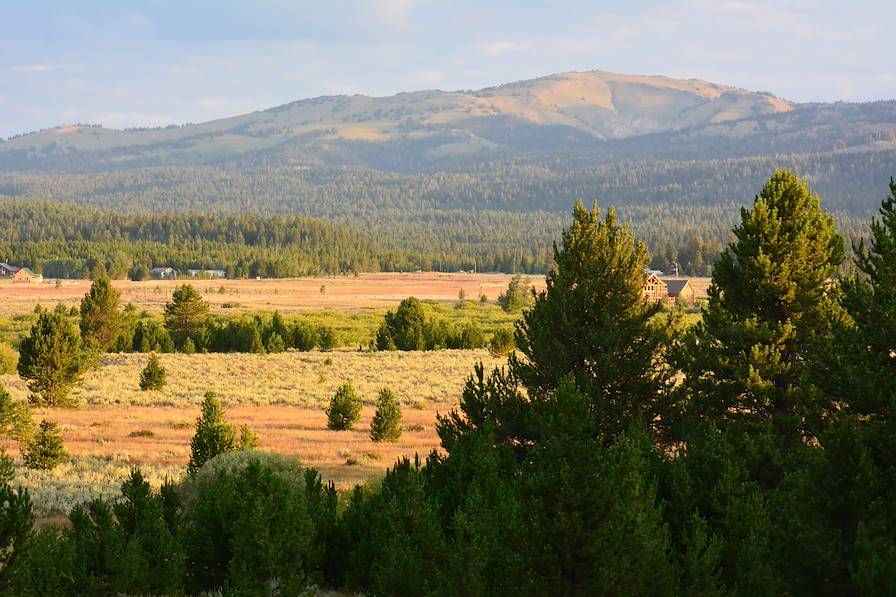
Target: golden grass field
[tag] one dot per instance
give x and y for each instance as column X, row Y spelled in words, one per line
column 361, row 292
column 281, row 397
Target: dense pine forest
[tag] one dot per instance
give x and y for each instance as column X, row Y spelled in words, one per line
column 750, row 454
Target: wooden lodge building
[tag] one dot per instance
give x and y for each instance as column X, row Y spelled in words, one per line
column 668, row 290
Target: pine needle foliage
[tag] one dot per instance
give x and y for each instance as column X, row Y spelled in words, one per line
column 51, row 359
column 46, row 449
column 386, row 423
column 153, row 376
column 344, row 409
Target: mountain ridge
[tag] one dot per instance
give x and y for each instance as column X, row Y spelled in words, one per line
column 591, row 106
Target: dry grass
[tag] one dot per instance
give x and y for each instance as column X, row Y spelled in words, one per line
column 365, row 291
column 298, row 379
column 281, row 397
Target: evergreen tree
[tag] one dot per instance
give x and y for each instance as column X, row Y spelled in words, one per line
column 214, row 435
column 518, row 296
column 275, row 343
column 255, row 344
column 386, row 423
column 51, row 359
column 16, row 529
column 768, row 301
column 405, row 329
column 7, row 470
column 593, row 323
column 326, row 338
column 45, row 450
column 100, row 318
column 248, row 439
column 184, row 314
column 15, row 418
column 153, row 375
column 344, row 409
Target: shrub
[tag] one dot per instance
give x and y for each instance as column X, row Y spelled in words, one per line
column 153, row 375
column 344, row 410
column 255, row 344
column 7, row 471
column 15, row 418
column 304, row 336
column 45, row 450
column 326, row 338
column 276, row 343
column 386, row 423
column 17, row 524
column 502, row 342
column 405, row 329
column 50, row 358
column 519, row 295
column 248, row 439
column 214, row 435
column 9, row 359
column 189, row 347
column 255, row 519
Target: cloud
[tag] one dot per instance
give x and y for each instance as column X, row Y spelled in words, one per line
column 498, row 48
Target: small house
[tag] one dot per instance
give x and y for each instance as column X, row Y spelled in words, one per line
column 27, row 276
column 7, row 270
column 654, row 288
column 681, row 291
column 207, row 273
column 163, row 273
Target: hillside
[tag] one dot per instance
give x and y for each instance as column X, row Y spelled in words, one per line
column 581, row 108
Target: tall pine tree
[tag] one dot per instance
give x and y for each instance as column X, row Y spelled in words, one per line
column 593, row 323
column 100, row 318
column 768, row 302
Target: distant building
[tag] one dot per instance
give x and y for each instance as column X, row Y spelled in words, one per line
column 163, row 273
column 655, row 289
column 26, row 275
column 681, row 291
column 207, row 273
column 7, row 270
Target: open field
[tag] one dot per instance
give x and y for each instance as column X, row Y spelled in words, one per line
column 362, row 292
column 281, row 397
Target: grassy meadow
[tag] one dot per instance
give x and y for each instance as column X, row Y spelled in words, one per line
column 280, row 396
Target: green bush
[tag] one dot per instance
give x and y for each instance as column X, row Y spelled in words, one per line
column 386, row 423
column 276, row 343
column 326, row 338
column 16, row 528
column 45, row 450
column 9, row 359
column 518, row 296
column 344, row 410
column 253, row 520
column 153, row 376
column 304, row 336
column 502, row 342
column 15, row 418
column 248, row 439
column 7, row 471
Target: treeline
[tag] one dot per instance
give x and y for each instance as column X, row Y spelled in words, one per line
column 67, row 241
column 849, row 182
column 615, row 454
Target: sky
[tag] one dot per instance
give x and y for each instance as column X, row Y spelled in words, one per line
column 126, row 63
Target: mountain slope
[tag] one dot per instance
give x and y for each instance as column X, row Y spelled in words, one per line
column 580, row 108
